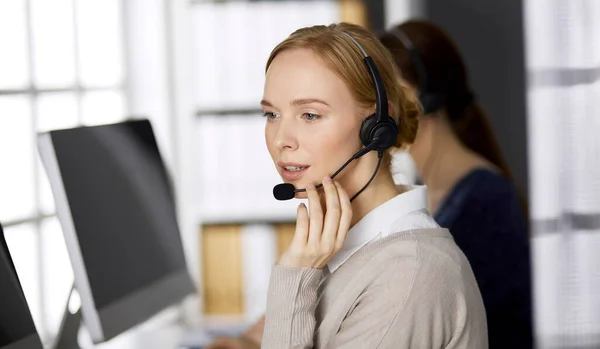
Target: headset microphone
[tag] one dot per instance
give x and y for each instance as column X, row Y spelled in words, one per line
column 287, row 191
column 377, row 132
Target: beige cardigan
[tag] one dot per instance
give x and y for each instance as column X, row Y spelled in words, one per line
column 412, row 289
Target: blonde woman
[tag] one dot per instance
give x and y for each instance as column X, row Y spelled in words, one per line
column 368, row 267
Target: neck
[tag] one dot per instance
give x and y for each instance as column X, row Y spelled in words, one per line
column 439, row 167
column 381, row 189
column 445, row 161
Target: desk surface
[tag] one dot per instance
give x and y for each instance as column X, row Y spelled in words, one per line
column 167, row 331
column 163, row 338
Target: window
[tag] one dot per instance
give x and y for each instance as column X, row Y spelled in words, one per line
column 62, row 65
column 563, row 67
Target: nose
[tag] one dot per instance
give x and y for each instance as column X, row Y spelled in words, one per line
column 285, row 135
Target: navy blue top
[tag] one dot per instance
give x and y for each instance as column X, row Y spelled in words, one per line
column 484, row 215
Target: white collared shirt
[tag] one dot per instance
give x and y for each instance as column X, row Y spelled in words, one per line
column 405, row 211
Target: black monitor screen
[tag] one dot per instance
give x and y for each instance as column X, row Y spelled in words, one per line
column 122, row 204
column 16, row 322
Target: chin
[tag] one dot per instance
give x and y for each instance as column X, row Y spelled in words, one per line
column 303, row 183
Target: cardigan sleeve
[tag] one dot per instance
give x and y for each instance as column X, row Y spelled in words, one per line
column 291, row 303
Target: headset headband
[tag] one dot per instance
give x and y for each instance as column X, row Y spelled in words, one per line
column 415, row 57
column 381, row 100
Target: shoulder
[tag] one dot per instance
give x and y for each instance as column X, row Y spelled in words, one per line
column 485, row 185
column 442, row 290
column 480, row 200
column 431, row 254
column 419, row 256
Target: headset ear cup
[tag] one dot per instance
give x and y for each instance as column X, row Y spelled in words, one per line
column 366, row 129
column 386, row 131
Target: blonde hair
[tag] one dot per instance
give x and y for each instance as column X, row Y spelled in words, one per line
column 345, row 59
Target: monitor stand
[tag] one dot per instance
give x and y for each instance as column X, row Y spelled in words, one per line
column 68, row 332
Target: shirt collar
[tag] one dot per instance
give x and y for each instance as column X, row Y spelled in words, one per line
column 380, row 220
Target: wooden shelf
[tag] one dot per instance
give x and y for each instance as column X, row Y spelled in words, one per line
column 222, row 251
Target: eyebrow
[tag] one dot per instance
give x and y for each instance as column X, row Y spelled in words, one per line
column 297, row 102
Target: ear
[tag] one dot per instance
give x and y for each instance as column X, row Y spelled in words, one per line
column 372, row 110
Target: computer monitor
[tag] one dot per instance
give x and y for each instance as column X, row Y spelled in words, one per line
column 17, row 329
column 115, row 202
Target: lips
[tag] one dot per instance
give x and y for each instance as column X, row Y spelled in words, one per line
column 291, row 171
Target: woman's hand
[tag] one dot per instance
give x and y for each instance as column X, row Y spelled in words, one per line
column 318, row 238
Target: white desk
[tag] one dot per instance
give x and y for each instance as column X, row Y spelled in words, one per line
column 161, row 338
column 167, row 331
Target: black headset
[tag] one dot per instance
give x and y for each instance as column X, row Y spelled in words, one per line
column 431, row 101
column 378, row 131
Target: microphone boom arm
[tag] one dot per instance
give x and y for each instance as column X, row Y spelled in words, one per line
column 359, row 154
